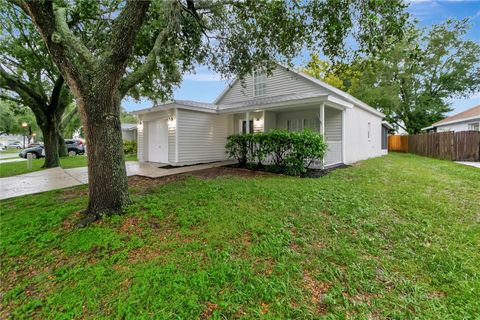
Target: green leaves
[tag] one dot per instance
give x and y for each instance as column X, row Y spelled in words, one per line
column 293, row 152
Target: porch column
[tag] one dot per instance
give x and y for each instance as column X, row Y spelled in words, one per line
column 247, row 125
column 322, row 119
column 322, row 126
column 344, row 113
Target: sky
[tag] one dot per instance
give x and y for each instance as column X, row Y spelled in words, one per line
column 205, row 85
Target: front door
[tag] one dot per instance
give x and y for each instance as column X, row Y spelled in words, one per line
column 158, row 141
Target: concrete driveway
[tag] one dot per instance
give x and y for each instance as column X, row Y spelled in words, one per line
column 58, row 178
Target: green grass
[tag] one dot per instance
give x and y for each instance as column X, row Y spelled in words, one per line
column 15, row 168
column 394, row 237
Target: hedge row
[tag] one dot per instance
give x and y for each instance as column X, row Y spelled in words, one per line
column 293, row 152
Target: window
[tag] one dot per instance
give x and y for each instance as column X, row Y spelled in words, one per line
column 384, row 138
column 474, row 126
column 259, row 83
column 313, row 124
column 244, row 126
column 296, row 125
column 369, row 134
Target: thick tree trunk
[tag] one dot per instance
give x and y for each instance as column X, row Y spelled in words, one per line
column 107, row 177
column 62, row 149
column 51, row 136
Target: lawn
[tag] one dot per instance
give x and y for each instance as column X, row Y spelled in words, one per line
column 393, row 237
column 15, row 168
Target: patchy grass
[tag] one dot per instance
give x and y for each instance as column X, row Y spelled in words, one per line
column 394, row 237
column 15, row 168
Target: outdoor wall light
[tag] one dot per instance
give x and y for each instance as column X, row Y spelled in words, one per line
column 172, row 122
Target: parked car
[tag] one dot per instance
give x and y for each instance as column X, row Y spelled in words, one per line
column 36, row 152
column 74, row 147
column 15, row 145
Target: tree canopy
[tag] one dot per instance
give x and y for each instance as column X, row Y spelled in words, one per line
column 414, row 83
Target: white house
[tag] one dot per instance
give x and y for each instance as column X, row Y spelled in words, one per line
column 463, row 121
column 129, row 131
column 183, row 132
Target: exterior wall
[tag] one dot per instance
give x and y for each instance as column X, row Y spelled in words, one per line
column 269, row 120
column 281, row 82
column 142, row 134
column 201, row 136
column 129, row 135
column 333, row 129
column 357, row 144
column 461, row 126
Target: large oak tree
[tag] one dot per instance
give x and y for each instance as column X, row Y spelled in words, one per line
column 144, row 47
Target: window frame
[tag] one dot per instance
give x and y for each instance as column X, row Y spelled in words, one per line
column 259, row 75
column 474, row 124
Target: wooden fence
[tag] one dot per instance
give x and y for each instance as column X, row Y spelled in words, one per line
column 456, row 146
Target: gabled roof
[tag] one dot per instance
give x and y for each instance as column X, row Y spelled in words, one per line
column 320, row 83
column 468, row 114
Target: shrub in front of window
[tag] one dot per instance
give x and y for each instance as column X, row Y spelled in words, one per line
column 307, row 147
column 279, row 143
column 260, row 148
column 291, row 152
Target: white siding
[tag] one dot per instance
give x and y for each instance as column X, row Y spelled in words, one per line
column 142, row 134
column 201, row 136
column 357, row 144
column 281, row 82
column 333, row 124
column 269, row 120
column 462, row 126
column 140, row 143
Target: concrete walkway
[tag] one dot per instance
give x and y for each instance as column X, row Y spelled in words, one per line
column 470, row 163
column 58, row 178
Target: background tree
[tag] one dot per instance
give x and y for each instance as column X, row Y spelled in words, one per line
column 144, row 47
column 414, row 82
column 28, row 77
column 12, row 116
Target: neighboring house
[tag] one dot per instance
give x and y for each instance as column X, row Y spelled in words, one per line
column 186, row 132
column 463, row 121
column 129, row 131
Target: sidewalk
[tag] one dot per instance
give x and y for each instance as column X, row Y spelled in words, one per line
column 58, row 178
column 470, row 163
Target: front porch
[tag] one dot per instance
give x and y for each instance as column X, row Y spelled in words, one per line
column 327, row 119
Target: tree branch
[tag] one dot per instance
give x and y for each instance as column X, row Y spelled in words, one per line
column 5, row 97
column 15, row 84
column 56, row 92
column 136, row 76
column 124, row 31
column 67, row 35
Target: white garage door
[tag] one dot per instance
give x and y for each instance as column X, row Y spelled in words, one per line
column 158, row 141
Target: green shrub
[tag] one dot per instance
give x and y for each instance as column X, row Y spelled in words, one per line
column 291, row 152
column 279, row 144
column 307, row 146
column 260, row 147
column 238, row 147
column 129, row 147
